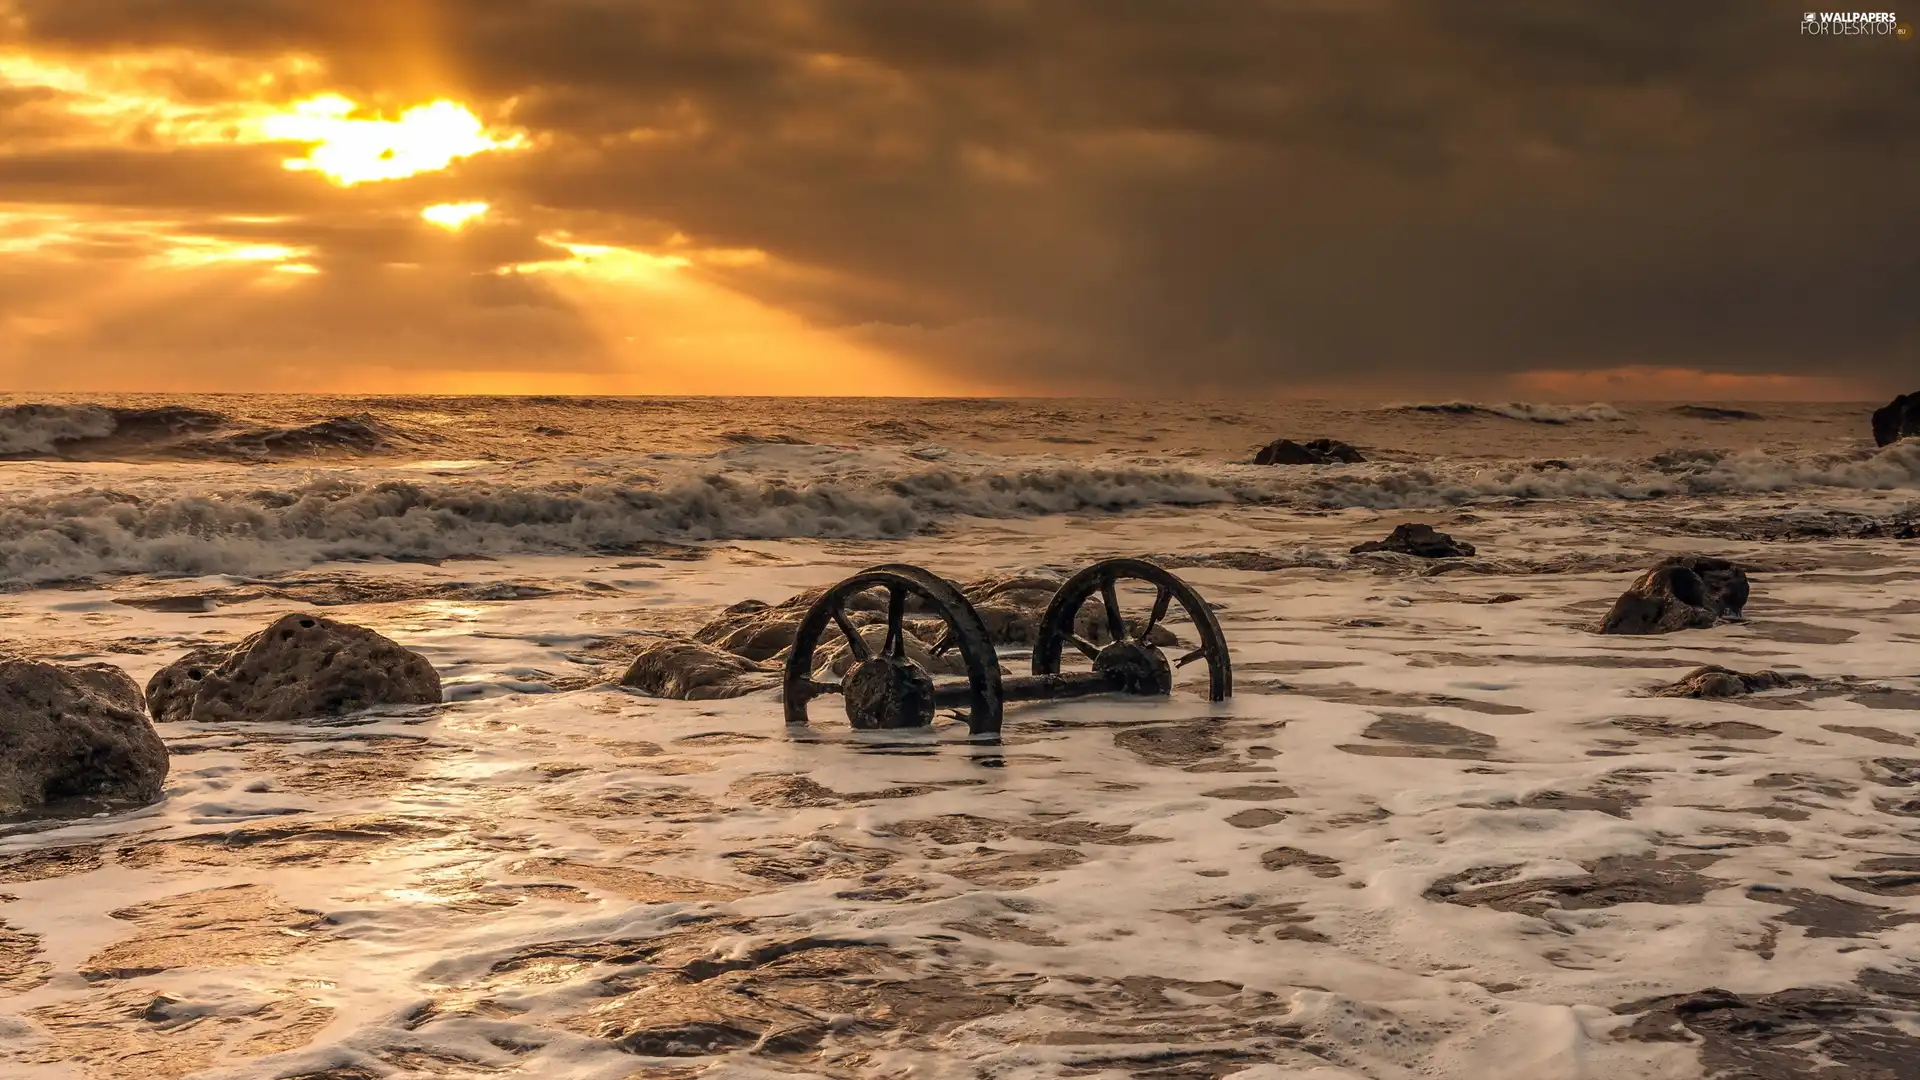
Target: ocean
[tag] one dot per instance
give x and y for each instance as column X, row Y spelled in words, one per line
column 1442, row 829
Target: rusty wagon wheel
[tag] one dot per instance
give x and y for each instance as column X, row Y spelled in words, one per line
column 887, row 689
column 1131, row 661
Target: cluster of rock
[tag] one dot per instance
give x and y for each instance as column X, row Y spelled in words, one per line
column 82, row 735
column 1315, row 452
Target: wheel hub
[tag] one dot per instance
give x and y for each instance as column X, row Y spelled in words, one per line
column 887, row 693
column 1135, row 668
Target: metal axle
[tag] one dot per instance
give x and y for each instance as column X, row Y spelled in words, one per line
column 1034, row 688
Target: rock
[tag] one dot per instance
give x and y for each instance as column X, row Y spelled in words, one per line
column 836, row 662
column 1714, row 681
column 1715, row 412
column 75, row 733
column 1726, row 582
column 1317, row 452
column 1683, row 592
column 1897, row 419
column 170, row 692
column 301, row 667
column 759, row 631
column 693, row 671
column 1417, row 539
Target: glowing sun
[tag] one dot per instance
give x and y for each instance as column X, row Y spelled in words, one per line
column 453, row 216
column 349, row 149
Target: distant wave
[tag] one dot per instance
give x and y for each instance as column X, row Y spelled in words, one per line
column 770, row 491
column 178, row 432
column 1519, row 410
column 30, row 431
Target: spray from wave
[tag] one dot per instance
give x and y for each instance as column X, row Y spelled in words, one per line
column 1597, row 412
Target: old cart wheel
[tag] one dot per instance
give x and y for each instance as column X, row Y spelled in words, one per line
column 887, row 690
column 1129, row 657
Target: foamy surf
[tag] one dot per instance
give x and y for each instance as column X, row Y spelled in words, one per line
column 1430, row 837
column 156, row 521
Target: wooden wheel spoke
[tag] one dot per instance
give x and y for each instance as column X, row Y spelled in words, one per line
column 1116, row 623
column 945, row 643
column 855, row 642
column 813, row 688
column 1197, row 654
column 1162, row 597
column 896, row 645
column 1086, row 648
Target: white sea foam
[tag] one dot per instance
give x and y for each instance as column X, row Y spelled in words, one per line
column 1157, row 923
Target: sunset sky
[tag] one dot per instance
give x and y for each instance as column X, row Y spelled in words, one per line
column 1196, row 197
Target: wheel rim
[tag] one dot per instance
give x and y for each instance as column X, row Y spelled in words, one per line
column 964, row 631
column 1058, row 630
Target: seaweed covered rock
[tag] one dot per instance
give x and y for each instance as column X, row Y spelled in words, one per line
column 695, row 671
column 1714, row 681
column 1316, row 452
column 75, row 733
column 1682, row 592
column 1422, row 541
column 1897, row 419
column 301, row 667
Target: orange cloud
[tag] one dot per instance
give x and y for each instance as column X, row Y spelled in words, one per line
column 1648, row 383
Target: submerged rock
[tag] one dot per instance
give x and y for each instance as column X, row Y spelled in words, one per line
column 1897, row 419
column 1417, row 539
column 74, row 733
column 760, row 631
column 1714, row 681
column 1716, row 412
column 839, row 660
column 1316, row 452
column 301, row 667
column 1683, row 592
column 695, row 671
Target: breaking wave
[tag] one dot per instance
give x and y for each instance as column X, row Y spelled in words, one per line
column 179, row 432
column 31, row 431
column 182, row 527
column 1520, row 410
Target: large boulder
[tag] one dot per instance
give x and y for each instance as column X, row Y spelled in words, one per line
column 302, row 667
column 695, row 671
column 74, row 734
column 1422, row 541
column 1316, row 452
column 1897, row 419
column 1682, row 592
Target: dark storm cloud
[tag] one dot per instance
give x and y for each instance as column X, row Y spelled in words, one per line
column 1227, row 192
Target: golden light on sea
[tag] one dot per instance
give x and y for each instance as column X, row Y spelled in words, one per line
column 454, row 216
column 349, row 149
